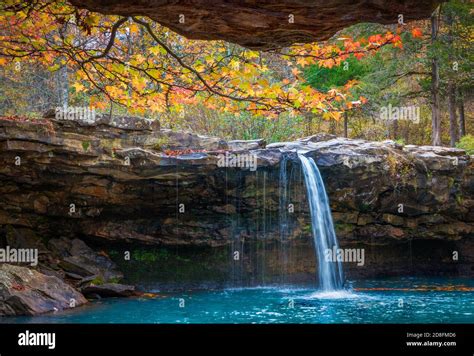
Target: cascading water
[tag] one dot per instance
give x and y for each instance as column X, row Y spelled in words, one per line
column 330, row 272
column 283, row 203
column 283, row 217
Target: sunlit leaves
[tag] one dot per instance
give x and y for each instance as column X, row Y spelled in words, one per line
column 143, row 66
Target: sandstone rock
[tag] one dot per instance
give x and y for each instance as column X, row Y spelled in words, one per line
column 350, row 218
column 318, row 138
column 24, row 291
column 109, row 290
column 78, row 259
column 120, row 122
column 263, row 24
column 136, row 204
column 239, row 145
column 365, row 219
column 176, row 140
column 23, row 238
column 393, row 219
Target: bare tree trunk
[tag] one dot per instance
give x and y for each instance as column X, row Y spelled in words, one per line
column 111, row 111
column 309, row 123
column 435, row 113
column 395, row 129
column 462, row 120
column 332, row 126
column 453, row 127
column 63, row 86
column 345, row 124
column 406, row 133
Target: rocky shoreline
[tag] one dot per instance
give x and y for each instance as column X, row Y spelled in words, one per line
column 124, row 184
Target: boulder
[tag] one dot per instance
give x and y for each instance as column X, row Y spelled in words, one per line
column 80, row 261
column 24, row 291
column 108, row 290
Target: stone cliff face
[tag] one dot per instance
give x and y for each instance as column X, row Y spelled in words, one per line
column 263, row 24
column 81, row 178
column 111, row 183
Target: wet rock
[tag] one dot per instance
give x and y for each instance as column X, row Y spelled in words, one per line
column 24, row 291
column 108, row 290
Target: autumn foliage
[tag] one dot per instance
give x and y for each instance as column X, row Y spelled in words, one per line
column 136, row 63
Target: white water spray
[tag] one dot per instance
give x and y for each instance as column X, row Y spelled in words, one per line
column 330, row 273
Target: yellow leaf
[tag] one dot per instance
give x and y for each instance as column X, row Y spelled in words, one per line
column 78, row 86
column 336, row 115
column 327, row 116
column 302, row 61
column 133, row 28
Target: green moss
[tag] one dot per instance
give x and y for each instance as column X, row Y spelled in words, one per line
column 85, row 145
column 400, row 169
column 114, row 280
column 451, row 182
column 364, row 207
column 113, row 253
column 149, row 256
column 405, row 170
column 161, row 143
column 343, row 227
column 98, row 280
column 174, row 265
column 429, row 174
column 111, row 144
column 307, row 228
column 392, row 164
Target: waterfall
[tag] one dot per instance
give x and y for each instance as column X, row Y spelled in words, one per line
column 283, row 218
column 330, row 272
column 283, row 203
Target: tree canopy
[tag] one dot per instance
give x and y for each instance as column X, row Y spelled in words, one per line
column 136, row 66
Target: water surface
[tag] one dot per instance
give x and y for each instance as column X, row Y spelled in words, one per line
column 407, row 300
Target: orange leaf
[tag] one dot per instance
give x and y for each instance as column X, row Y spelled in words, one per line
column 416, row 33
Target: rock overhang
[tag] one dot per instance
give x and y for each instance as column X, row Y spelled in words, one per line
column 264, row 24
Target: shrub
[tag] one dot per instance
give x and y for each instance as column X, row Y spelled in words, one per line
column 467, row 144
